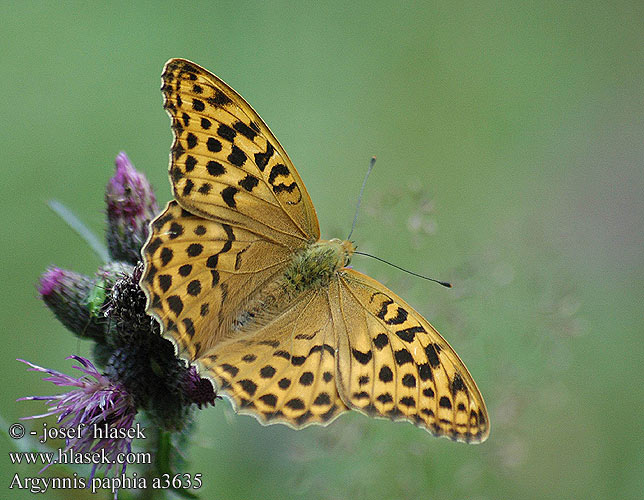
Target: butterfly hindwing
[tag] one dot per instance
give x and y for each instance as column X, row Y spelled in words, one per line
column 285, row 370
column 393, row 363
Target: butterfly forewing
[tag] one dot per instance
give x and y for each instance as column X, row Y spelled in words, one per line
column 225, row 162
column 393, row 363
column 199, row 272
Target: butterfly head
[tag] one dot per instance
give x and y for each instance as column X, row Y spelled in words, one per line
column 344, row 250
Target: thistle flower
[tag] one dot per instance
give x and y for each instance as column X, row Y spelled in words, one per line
column 145, row 363
column 198, row 390
column 141, row 370
column 94, row 401
column 131, row 205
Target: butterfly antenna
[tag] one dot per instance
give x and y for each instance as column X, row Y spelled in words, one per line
column 444, row 283
column 364, row 183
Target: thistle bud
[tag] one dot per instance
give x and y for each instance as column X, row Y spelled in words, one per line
column 76, row 300
column 131, row 205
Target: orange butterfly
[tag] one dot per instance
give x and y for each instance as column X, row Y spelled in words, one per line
column 239, row 279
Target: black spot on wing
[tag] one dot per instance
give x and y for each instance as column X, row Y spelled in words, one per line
column 191, row 161
column 194, row 249
column 445, row 402
column 245, row 130
column 198, row 104
column 409, row 334
column 295, row 404
column 165, row 281
column 269, row 399
column 192, row 140
column 225, row 132
column 262, row 159
column 403, row 356
column 409, row 380
column 228, row 195
column 175, row 304
column 362, row 357
column 213, row 145
column 407, row 401
column 166, row 255
column 322, row 399
column 267, row 371
column 458, row 385
column 249, row 182
column 230, row 369
column 237, row 157
column 386, row 375
column 381, row 340
column 385, row 398
column 187, row 188
column 219, row 99
column 154, row 246
column 320, row 348
column 215, row 168
column 432, row 355
column 424, row 371
column 306, row 378
column 298, row 360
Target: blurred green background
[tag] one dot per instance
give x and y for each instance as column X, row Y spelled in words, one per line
column 510, row 147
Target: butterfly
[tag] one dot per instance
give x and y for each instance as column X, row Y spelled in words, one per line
column 239, row 279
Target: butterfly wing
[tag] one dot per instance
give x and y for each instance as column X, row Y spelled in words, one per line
column 241, row 211
column 393, row 363
column 225, row 163
column 283, row 372
column 198, row 272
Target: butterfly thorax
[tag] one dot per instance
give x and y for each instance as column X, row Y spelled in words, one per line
column 312, row 268
column 315, row 265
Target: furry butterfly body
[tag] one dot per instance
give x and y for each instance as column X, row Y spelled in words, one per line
column 238, row 277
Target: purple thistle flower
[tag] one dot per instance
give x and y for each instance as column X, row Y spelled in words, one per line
column 50, row 281
column 198, row 390
column 95, row 401
column 131, row 205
